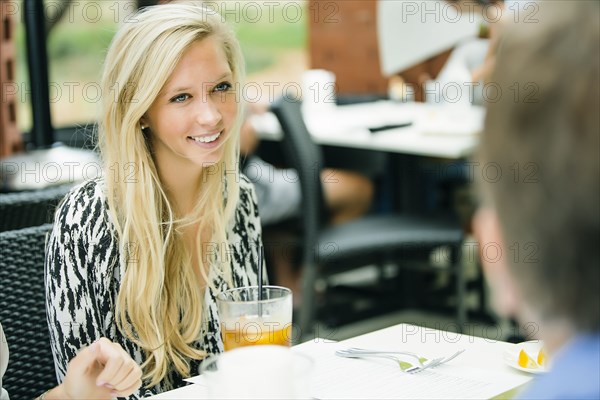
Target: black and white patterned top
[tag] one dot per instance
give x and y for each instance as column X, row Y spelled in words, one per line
column 83, row 276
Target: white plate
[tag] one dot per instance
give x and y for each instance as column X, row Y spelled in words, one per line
column 532, row 348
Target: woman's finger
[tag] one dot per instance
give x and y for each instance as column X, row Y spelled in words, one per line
column 128, row 375
column 113, row 358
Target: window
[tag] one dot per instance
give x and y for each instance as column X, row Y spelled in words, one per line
column 272, row 35
column 273, row 38
column 76, row 46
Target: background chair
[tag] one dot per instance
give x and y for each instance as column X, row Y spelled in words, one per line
column 30, row 208
column 368, row 240
column 23, row 312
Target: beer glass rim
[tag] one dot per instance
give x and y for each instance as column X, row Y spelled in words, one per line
column 222, row 296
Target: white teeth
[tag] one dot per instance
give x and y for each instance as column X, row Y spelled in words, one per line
column 207, row 139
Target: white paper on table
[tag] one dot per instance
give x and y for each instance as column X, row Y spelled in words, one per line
column 191, row 392
column 355, row 119
column 336, row 377
column 198, row 380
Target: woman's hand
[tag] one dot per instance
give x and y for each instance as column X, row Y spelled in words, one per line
column 101, row 371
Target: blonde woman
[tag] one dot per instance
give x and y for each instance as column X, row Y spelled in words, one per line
column 138, row 255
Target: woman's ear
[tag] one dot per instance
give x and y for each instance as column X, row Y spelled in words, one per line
column 144, row 122
column 505, row 294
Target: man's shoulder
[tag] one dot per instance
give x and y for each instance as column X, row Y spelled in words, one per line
column 574, row 373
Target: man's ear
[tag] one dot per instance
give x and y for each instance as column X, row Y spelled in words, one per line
column 505, row 294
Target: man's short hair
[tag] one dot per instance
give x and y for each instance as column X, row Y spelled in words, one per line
column 541, row 140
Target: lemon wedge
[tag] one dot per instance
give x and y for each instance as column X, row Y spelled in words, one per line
column 542, row 358
column 526, row 361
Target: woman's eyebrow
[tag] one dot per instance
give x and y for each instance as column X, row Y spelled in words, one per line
column 187, row 88
column 178, row 89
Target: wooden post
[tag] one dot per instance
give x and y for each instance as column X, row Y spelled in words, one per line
column 342, row 38
column 10, row 139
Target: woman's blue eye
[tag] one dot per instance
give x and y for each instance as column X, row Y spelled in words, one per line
column 222, row 87
column 180, row 98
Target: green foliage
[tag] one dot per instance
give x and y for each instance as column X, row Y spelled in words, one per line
column 264, row 40
column 87, row 41
column 76, row 48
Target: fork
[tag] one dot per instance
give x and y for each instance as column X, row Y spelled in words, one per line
column 404, row 366
column 442, row 360
column 355, row 352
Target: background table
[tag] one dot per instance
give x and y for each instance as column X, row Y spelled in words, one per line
column 444, row 131
column 439, row 137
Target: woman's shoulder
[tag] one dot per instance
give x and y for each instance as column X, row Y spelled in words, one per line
column 86, row 191
column 82, row 220
column 84, row 202
column 93, row 187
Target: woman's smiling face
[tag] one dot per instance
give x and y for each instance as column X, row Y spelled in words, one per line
column 192, row 115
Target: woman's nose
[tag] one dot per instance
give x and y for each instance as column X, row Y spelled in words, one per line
column 208, row 113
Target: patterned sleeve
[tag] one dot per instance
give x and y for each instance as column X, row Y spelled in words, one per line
column 249, row 233
column 71, row 288
column 257, row 223
column 257, row 227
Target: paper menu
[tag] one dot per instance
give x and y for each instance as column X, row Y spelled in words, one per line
column 335, row 377
column 480, row 372
column 191, row 392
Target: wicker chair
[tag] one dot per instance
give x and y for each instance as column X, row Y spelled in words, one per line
column 23, row 312
column 31, row 208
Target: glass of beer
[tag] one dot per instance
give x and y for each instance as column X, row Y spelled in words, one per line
column 248, row 321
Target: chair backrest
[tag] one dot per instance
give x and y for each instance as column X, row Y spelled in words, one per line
column 23, row 312
column 306, row 157
column 31, row 208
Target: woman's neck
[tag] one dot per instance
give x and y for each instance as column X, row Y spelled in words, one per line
column 182, row 184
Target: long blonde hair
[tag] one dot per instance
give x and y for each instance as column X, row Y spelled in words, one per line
column 160, row 306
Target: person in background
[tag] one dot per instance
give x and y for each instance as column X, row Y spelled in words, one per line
column 471, row 62
column 139, row 254
column 544, row 210
column 483, row 72
column 100, row 371
column 348, row 194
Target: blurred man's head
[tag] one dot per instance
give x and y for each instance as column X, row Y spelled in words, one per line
column 542, row 136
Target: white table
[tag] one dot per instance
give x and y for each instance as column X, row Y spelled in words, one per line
column 445, row 131
column 480, row 372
